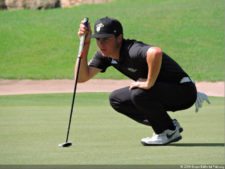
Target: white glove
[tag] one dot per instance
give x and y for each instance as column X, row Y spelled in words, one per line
column 201, row 97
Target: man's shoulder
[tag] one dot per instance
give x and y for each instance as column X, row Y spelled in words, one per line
column 134, row 43
column 98, row 56
column 134, row 48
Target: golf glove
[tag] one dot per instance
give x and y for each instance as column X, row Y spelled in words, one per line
column 201, row 97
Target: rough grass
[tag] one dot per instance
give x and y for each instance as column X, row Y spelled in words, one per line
column 43, row 44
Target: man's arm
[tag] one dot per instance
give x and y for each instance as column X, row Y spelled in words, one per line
column 154, row 61
column 86, row 72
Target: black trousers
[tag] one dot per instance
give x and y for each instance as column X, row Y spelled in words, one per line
column 150, row 107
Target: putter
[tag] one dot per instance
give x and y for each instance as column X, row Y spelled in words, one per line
column 82, row 38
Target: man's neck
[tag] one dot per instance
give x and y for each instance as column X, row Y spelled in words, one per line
column 116, row 55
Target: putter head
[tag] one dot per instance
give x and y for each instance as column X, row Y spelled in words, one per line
column 66, row 144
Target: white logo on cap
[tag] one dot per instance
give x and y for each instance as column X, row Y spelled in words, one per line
column 99, row 26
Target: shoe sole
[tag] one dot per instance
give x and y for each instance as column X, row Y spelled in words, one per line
column 175, row 140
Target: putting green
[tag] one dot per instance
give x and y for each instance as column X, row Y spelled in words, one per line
column 32, row 126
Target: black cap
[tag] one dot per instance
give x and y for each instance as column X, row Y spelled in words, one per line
column 107, row 27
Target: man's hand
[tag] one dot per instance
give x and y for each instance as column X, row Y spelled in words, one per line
column 201, row 97
column 141, row 83
column 84, row 30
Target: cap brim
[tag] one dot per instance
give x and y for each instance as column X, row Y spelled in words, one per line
column 101, row 35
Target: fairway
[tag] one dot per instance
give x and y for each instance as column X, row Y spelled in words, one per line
column 32, row 126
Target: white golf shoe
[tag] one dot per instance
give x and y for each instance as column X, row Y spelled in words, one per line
column 175, row 123
column 166, row 137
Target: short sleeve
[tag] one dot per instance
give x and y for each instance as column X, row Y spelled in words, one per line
column 100, row 62
column 139, row 50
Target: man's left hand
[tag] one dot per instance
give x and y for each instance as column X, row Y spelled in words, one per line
column 140, row 84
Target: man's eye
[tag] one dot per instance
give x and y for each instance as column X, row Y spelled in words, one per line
column 102, row 39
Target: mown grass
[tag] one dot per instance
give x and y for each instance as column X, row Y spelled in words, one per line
column 43, row 44
column 32, row 126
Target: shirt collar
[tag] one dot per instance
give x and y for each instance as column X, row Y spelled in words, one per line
column 122, row 52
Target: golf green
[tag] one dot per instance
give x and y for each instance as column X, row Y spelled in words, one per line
column 32, row 126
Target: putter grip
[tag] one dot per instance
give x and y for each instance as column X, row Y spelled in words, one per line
column 82, row 38
column 85, row 22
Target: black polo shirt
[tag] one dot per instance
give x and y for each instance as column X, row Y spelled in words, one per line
column 133, row 64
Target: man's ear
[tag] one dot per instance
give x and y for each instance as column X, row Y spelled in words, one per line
column 120, row 38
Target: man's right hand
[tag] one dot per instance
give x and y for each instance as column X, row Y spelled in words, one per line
column 83, row 30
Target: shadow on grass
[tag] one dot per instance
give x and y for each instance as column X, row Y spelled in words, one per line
column 198, row 144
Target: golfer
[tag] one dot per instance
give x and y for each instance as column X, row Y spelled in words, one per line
column 159, row 83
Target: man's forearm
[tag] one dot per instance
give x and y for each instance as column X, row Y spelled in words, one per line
column 84, row 70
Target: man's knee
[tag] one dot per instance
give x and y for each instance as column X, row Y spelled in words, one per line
column 113, row 100
column 144, row 99
column 137, row 95
column 119, row 98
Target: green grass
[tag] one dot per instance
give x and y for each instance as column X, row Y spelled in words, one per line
column 43, row 44
column 31, row 127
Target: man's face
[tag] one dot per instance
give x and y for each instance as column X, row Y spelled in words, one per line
column 108, row 46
